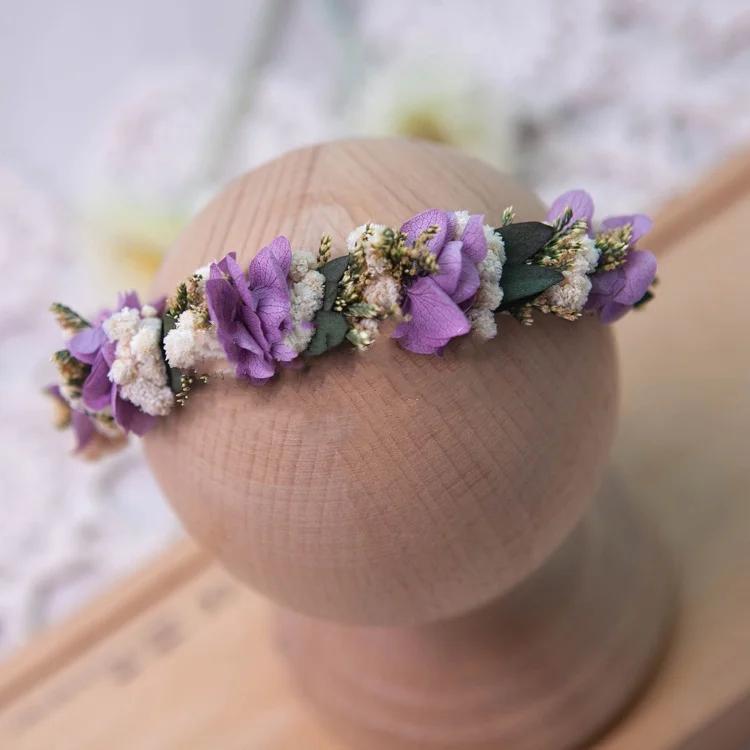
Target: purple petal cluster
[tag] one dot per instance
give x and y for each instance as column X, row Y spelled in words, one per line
column 436, row 305
column 251, row 311
column 92, row 346
column 82, row 424
column 613, row 293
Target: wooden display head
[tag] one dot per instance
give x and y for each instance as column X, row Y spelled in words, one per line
column 384, row 487
column 443, row 497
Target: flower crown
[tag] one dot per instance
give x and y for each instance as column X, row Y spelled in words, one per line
column 441, row 275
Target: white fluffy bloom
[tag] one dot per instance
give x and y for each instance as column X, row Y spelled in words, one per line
column 307, row 296
column 148, row 311
column 590, row 253
column 483, row 323
column 139, row 369
column 375, row 263
column 204, row 271
column 300, row 337
column 383, row 292
column 302, row 263
column 187, row 344
column 489, row 294
column 462, row 219
column 306, row 299
column 573, row 291
column 123, row 324
column 495, row 243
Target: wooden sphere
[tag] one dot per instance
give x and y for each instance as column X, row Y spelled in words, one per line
column 385, row 487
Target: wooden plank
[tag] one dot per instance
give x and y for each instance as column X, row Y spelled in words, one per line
column 180, row 656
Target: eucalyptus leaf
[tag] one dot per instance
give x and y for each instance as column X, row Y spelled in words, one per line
column 522, row 282
column 333, row 271
column 524, row 239
column 330, row 331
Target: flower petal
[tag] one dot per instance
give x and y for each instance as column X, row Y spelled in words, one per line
column 222, row 300
column 475, row 243
column 128, row 299
column 270, row 267
column 613, row 311
column 578, row 200
column 240, row 280
column 97, row 389
column 85, row 345
column 419, row 223
column 468, row 282
column 639, row 270
column 435, row 318
column 449, row 260
column 83, row 429
column 130, row 417
column 607, row 284
column 274, row 306
column 640, row 222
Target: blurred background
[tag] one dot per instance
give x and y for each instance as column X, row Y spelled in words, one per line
column 119, row 120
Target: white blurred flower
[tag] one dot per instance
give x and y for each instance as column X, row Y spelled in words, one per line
column 126, row 242
column 439, row 102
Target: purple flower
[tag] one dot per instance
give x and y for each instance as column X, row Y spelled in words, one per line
column 252, row 313
column 82, row 424
column 579, row 201
column 436, row 305
column 92, row 346
column 615, row 292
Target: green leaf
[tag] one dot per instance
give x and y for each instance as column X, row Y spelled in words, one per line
column 524, row 282
column 524, row 239
column 330, row 331
column 333, row 271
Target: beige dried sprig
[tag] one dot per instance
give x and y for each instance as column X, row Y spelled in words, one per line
column 613, row 244
column 178, row 302
column 72, row 371
column 563, row 247
column 324, row 250
column 69, row 320
column 509, row 216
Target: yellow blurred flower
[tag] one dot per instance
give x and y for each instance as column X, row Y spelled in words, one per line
column 127, row 242
column 443, row 103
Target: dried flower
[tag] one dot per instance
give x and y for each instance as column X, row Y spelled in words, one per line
column 93, row 347
column 251, row 311
column 435, row 305
column 614, row 293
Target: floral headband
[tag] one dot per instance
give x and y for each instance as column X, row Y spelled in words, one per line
column 441, row 275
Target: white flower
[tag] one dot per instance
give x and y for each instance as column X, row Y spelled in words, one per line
column 573, row 291
column 306, row 299
column 138, row 369
column 444, row 103
column 375, row 262
column 187, row 344
column 462, row 219
column 302, row 262
column 483, row 323
column 127, row 241
column 494, row 243
column 384, row 292
column 300, row 337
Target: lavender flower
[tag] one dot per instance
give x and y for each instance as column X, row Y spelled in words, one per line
column 436, row 305
column 580, row 203
column 615, row 292
column 252, row 313
column 92, row 347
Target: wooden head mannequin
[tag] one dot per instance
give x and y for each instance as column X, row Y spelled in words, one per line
column 431, row 497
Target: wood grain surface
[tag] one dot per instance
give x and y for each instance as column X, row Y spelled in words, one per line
column 180, row 656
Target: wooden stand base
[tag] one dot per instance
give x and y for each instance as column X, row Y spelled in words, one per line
column 179, row 657
column 532, row 672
